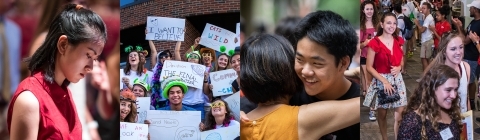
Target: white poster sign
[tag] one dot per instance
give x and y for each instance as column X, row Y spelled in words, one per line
column 163, row 28
column 238, row 35
column 218, row 39
column 192, row 74
column 174, row 125
column 222, row 82
column 133, row 131
column 143, row 104
column 467, row 133
column 226, row 133
column 234, row 104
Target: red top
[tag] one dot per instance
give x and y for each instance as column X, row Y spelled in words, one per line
column 113, row 33
column 364, row 36
column 383, row 56
column 440, row 28
column 58, row 116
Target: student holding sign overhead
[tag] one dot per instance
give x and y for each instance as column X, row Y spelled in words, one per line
column 157, row 101
column 269, row 80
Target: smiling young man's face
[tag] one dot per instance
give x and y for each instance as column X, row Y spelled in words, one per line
column 316, row 67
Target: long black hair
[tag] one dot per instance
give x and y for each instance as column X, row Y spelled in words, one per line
column 79, row 25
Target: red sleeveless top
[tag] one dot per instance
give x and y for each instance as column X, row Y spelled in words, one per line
column 58, row 116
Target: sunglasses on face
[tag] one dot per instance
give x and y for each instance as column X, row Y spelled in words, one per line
column 217, row 104
column 194, row 57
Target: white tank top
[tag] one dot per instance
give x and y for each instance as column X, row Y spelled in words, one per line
column 462, row 89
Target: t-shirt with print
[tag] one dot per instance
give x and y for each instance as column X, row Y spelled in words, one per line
column 146, row 77
column 348, row 133
column 427, row 34
column 471, row 52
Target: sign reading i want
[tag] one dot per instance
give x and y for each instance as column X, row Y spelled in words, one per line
column 165, row 29
column 218, row 39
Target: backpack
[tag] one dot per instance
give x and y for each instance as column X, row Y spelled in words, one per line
column 407, row 33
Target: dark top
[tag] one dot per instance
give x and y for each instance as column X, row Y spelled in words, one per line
column 471, row 52
column 235, row 85
column 411, row 128
column 349, row 133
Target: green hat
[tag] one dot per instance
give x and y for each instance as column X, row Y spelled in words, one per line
column 193, row 52
column 141, row 83
column 169, row 82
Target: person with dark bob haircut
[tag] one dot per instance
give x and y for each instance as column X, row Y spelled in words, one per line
column 42, row 106
column 268, row 79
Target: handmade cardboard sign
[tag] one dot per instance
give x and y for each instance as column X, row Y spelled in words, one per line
column 218, row 39
column 174, row 125
column 234, row 104
column 192, row 74
column 143, row 104
column 165, row 29
column 225, row 133
column 133, row 131
column 222, row 82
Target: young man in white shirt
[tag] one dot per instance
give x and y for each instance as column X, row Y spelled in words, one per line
column 427, row 37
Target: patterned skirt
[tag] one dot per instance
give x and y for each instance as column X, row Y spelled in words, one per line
column 371, row 97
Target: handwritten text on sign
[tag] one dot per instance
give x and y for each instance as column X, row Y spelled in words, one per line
column 133, row 131
column 143, row 104
column 234, row 104
column 163, row 28
column 222, row 82
column 174, row 125
column 225, row 133
column 192, row 74
column 218, row 38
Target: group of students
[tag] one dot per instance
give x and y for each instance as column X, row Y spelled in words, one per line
column 441, row 96
column 172, row 93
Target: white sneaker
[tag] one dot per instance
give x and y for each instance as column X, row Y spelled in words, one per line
column 418, row 80
column 372, row 116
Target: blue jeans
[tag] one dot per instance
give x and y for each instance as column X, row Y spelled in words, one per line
column 473, row 68
column 198, row 107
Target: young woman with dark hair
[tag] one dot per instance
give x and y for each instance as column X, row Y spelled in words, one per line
column 42, row 107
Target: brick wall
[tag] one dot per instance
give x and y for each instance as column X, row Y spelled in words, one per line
column 136, row 15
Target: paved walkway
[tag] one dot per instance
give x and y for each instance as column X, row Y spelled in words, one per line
column 369, row 129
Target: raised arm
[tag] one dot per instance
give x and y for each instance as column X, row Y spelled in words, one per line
column 177, row 51
column 153, row 54
column 320, row 118
column 25, row 119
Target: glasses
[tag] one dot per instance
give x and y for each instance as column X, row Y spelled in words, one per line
column 217, row 104
column 193, row 56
